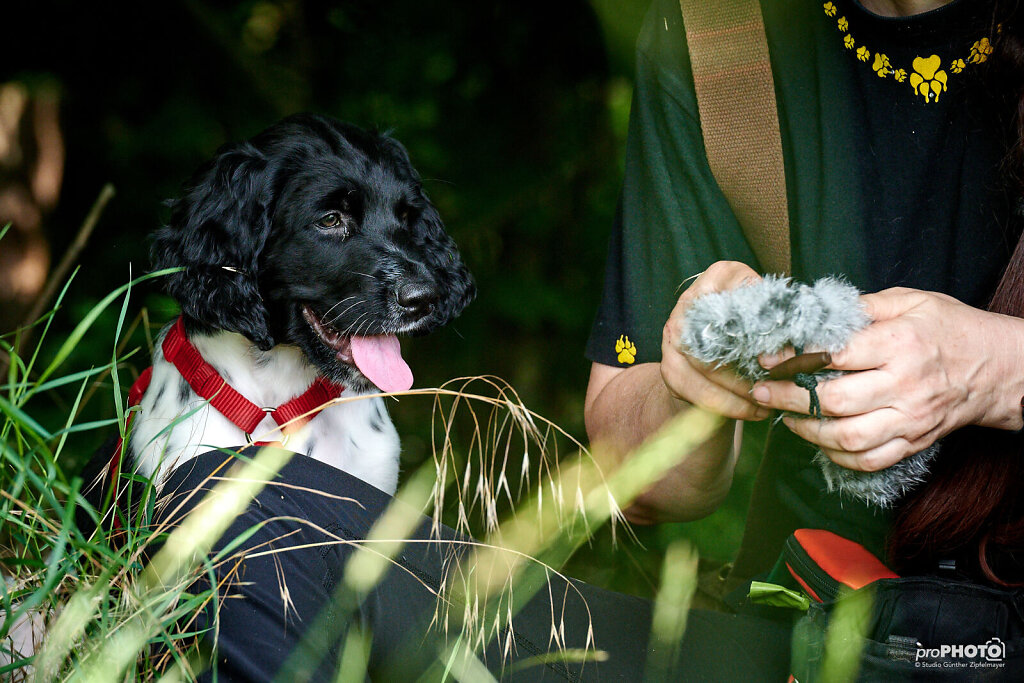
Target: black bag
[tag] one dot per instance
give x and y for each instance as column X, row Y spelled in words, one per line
column 864, row 623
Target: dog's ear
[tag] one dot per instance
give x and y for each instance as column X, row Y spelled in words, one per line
column 217, row 229
column 444, row 261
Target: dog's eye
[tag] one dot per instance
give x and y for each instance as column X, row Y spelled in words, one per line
column 330, row 220
column 405, row 213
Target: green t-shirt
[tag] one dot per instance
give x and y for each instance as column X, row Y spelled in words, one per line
column 892, row 141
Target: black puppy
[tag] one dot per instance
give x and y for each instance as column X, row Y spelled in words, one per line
column 305, row 251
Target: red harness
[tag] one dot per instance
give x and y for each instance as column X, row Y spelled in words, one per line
column 208, row 383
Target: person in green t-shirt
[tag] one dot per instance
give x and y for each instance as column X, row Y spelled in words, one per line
column 893, row 130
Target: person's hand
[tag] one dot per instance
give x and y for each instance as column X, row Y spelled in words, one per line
column 719, row 390
column 929, row 364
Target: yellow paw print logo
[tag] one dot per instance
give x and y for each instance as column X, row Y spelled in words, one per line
column 626, row 350
column 928, row 80
column 957, row 65
column 882, row 65
column 863, row 54
column 830, row 8
column 980, row 51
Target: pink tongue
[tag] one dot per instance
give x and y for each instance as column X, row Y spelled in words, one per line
column 380, row 359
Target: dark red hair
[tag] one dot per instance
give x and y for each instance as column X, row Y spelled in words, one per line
column 973, row 506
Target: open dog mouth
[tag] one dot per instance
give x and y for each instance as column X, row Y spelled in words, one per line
column 378, row 357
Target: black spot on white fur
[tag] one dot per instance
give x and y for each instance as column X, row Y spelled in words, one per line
column 184, row 392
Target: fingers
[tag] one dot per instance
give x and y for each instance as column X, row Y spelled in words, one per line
column 889, row 331
column 795, row 365
column 719, row 277
column 714, row 388
column 722, row 376
column 876, row 345
column 892, row 303
column 711, row 396
column 856, row 434
column 768, row 361
column 853, row 394
column 722, row 276
column 719, row 390
column 872, row 459
column 912, row 374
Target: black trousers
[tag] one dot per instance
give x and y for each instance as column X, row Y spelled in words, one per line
column 287, row 614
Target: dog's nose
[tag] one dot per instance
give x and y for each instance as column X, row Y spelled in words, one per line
column 417, row 298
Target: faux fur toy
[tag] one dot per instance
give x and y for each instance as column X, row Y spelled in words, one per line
column 733, row 328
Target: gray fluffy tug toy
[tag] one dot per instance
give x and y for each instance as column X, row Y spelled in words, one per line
column 733, row 328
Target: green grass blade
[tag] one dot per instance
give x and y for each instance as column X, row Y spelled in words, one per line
column 71, row 378
column 48, row 318
column 118, row 404
column 71, row 418
column 76, row 335
column 23, row 419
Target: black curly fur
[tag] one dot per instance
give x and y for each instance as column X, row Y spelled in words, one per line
column 244, row 228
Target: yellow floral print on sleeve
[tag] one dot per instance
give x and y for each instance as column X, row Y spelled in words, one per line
column 626, row 350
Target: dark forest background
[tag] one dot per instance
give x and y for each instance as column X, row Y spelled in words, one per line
column 514, row 113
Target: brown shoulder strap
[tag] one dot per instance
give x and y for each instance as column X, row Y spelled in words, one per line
column 740, row 121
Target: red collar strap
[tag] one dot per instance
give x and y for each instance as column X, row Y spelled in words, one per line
column 208, row 383
column 246, row 415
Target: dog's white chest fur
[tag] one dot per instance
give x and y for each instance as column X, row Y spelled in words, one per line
column 355, row 436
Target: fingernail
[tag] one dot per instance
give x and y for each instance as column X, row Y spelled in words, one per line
column 771, row 359
column 761, row 394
